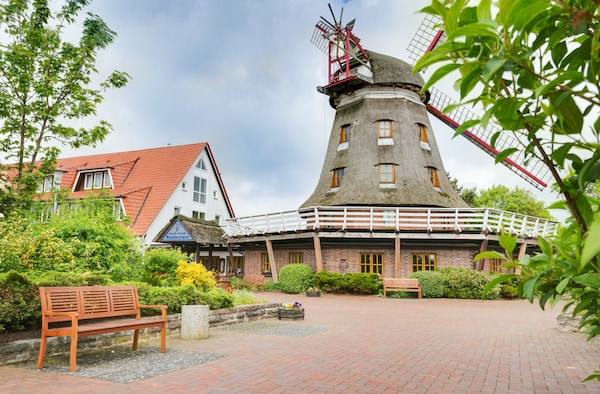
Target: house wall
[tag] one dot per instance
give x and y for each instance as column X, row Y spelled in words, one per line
column 347, row 259
column 183, row 198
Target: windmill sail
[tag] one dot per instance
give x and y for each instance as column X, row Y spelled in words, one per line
column 531, row 169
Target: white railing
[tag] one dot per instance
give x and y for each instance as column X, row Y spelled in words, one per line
column 399, row 219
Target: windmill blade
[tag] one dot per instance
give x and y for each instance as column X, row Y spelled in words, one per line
column 429, row 35
column 531, row 169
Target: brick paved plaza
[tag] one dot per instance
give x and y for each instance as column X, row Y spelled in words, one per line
column 356, row 344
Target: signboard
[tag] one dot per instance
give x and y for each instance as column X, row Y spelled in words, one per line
column 177, row 232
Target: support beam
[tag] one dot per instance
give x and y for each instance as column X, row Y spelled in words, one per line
column 318, row 255
column 272, row 260
column 231, row 260
column 397, row 256
column 482, row 248
column 522, row 251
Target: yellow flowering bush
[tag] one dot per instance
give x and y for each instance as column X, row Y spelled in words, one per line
column 196, row 275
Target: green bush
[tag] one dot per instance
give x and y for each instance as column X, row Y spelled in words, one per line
column 217, row 298
column 329, row 282
column 19, row 302
column 432, row 283
column 160, row 266
column 57, row 279
column 467, row 283
column 351, row 283
column 296, row 278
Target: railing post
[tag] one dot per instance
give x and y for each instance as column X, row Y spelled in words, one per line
column 345, row 222
column 429, row 228
column 316, row 213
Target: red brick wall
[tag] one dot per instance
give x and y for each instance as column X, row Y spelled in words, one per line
column 347, row 259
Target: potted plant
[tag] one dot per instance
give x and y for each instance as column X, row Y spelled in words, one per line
column 292, row 311
column 313, row 292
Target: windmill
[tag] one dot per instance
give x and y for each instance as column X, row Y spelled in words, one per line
column 428, row 36
column 381, row 150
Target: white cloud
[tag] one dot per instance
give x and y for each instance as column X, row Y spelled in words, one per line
column 242, row 76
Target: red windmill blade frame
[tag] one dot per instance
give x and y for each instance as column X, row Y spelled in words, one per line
column 533, row 170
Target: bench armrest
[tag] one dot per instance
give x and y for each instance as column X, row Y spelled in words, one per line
column 163, row 309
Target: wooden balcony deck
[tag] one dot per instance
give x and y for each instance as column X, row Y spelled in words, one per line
column 392, row 219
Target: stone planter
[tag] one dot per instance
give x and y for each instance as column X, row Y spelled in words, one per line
column 313, row 293
column 290, row 313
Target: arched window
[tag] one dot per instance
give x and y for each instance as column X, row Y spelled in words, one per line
column 338, row 175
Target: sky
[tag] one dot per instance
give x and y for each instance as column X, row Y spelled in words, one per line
column 242, row 76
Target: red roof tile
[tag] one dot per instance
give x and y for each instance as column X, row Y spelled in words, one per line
column 144, row 179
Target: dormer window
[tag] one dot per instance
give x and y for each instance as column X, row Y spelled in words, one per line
column 94, row 180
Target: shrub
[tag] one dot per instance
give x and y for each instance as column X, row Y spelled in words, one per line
column 432, row 283
column 468, row 283
column 160, row 265
column 19, row 302
column 296, row 278
column 329, row 282
column 196, row 275
column 362, row 283
column 352, row 283
column 217, row 299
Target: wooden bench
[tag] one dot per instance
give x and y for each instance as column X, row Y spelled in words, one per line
column 64, row 308
column 254, row 281
column 401, row 284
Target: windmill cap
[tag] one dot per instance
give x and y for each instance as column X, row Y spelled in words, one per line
column 386, row 71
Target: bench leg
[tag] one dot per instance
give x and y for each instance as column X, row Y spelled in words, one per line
column 42, row 353
column 163, row 338
column 73, row 353
column 136, row 337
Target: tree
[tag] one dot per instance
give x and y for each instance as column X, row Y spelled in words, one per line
column 46, row 84
column 515, row 200
column 534, row 67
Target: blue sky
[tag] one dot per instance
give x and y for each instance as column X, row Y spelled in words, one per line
column 242, row 76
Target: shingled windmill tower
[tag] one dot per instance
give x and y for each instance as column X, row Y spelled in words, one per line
column 381, row 151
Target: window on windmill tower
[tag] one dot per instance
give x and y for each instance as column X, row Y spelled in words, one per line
column 338, row 175
column 433, row 176
column 424, row 139
column 387, row 174
column 345, row 133
column 385, row 129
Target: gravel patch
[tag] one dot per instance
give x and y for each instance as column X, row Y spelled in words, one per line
column 122, row 365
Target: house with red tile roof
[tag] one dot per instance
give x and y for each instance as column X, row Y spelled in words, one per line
column 151, row 186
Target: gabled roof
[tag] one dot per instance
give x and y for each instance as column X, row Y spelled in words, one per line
column 181, row 229
column 144, row 179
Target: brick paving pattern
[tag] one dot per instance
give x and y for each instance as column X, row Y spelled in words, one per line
column 356, row 344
